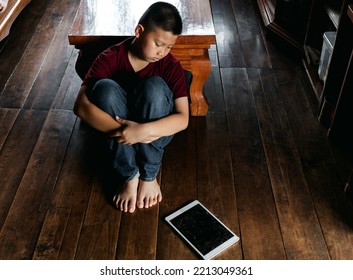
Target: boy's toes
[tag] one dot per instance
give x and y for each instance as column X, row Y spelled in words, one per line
column 131, row 209
column 140, row 204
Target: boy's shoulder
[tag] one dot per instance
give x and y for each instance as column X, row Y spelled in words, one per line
column 118, row 48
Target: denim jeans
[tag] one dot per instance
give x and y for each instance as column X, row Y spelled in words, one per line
column 151, row 100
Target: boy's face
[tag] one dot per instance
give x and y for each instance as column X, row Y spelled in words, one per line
column 155, row 44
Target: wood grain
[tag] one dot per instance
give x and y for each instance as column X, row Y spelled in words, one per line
column 36, row 187
column 296, row 213
column 253, row 187
column 19, row 144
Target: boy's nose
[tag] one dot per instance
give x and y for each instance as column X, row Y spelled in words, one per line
column 160, row 52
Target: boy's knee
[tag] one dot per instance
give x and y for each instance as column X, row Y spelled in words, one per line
column 104, row 85
column 110, row 97
column 155, row 81
column 104, row 91
column 156, row 90
column 154, row 100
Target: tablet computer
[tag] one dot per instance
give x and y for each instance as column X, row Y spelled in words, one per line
column 205, row 233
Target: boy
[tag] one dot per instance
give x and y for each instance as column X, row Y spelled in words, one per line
column 135, row 92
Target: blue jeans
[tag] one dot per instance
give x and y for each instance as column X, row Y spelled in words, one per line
column 150, row 100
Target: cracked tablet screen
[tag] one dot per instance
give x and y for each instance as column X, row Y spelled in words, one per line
column 201, row 229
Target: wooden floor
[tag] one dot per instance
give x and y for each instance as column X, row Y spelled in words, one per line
column 259, row 160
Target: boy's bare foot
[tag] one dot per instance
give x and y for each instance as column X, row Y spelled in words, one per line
column 149, row 194
column 125, row 199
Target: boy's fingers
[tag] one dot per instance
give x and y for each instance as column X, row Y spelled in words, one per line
column 119, row 120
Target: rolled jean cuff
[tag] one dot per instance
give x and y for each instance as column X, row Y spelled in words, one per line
column 149, row 179
column 135, row 175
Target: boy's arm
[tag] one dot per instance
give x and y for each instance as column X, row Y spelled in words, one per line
column 172, row 123
column 133, row 132
column 92, row 115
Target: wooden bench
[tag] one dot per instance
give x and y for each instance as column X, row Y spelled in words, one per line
column 99, row 24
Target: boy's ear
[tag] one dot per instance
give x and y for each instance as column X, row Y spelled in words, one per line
column 139, row 30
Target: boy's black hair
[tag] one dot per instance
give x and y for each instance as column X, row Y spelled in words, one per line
column 162, row 15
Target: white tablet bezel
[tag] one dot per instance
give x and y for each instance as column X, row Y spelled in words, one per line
column 216, row 250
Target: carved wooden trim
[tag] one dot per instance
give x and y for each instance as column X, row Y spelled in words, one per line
column 268, row 10
column 9, row 14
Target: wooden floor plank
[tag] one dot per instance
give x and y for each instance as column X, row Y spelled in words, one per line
column 258, row 221
column 17, row 151
column 13, row 47
column 24, row 75
column 216, row 189
column 138, row 235
column 179, row 187
column 36, row 187
column 62, row 225
column 227, row 37
column 214, row 168
column 251, row 38
column 100, row 229
column 46, row 85
column 69, row 87
column 101, row 225
column 7, row 119
column 332, row 206
column 301, row 231
column 52, row 233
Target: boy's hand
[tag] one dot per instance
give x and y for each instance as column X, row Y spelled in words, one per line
column 132, row 132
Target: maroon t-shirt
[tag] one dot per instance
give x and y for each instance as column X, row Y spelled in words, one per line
column 114, row 64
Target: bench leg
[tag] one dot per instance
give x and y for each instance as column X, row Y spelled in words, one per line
column 195, row 58
column 200, row 68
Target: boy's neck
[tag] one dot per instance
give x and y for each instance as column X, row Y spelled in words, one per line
column 134, row 56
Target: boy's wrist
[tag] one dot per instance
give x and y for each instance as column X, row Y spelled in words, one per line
column 148, row 129
column 113, row 132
